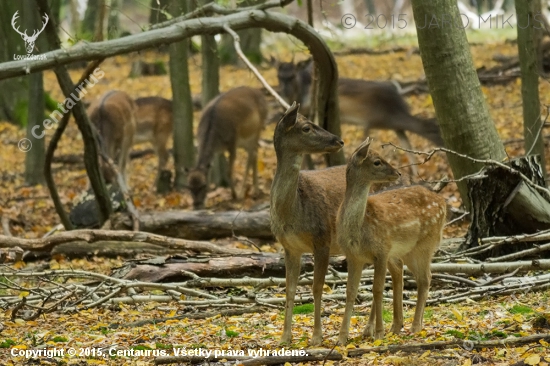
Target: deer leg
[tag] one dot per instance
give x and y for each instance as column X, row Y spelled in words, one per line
column 396, row 270
column 380, row 266
column 354, row 277
column 232, row 154
column 320, row 266
column 404, row 141
column 420, row 267
column 254, row 162
column 293, row 265
column 251, row 159
column 369, row 329
column 162, row 154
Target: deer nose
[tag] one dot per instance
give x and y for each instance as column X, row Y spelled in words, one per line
column 340, row 142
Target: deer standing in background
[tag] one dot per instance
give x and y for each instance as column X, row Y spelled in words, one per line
column 233, row 119
column 154, row 124
column 373, row 105
column 113, row 116
column 388, row 229
column 304, row 206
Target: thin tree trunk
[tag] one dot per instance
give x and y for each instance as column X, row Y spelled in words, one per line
column 113, row 22
column 158, row 11
column 527, row 48
column 463, row 115
column 90, row 148
column 90, row 17
column 182, row 103
column 100, row 21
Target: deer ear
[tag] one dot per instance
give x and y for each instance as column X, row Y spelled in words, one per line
column 273, row 62
column 363, row 150
column 288, row 120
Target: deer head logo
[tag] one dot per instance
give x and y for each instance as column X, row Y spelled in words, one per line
column 29, row 40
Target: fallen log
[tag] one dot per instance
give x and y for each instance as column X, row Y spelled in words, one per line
column 176, row 269
column 94, row 236
column 203, row 225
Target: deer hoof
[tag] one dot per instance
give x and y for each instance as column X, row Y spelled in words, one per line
column 416, row 328
column 286, row 339
column 316, row 340
column 396, row 329
column 369, row 331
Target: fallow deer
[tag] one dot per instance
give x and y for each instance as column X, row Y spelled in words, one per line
column 304, row 206
column 154, row 124
column 113, row 116
column 373, row 105
column 388, row 229
column 233, row 119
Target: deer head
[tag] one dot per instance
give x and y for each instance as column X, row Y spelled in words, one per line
column 29, row 40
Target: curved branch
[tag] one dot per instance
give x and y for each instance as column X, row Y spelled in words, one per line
column 328, row 101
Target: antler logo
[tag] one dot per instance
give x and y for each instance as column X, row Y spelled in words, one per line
column 29, row 40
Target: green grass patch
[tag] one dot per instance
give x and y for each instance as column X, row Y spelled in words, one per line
column 303, row 309
column 387, row 315
column 163, row 346
column 428, row 313
column 59, row 339
column 231, row 333
column 7, row 343
column 456, row 334
column 521, row 309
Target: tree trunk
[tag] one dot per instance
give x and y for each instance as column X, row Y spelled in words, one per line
column 34, row 158
column 463, row 115
column 100, row 21
column 113, row 22
column 210, row 90
column 14, row 92
column 90, row 18
column 528, row 49
column 159, row 8
column 184, row 153
column 250, row 40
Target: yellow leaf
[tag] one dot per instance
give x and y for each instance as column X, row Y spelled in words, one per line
column 457, row 314
column 468, row 362
column 377, row 342
column 24, row 294
column 532, row 360
column 424, row 355
column 518, row 318
column 327, row 289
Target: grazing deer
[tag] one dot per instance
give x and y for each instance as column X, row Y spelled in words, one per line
column 233, row 119
column 113, row 116
column 304, row 206
column 388, row 229
column 154, row 125
column 373, row 105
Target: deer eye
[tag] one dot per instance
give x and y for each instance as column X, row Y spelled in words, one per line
column 377, row 162
column 306, row 128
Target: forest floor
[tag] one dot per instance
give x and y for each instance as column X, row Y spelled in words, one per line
column 32, row 215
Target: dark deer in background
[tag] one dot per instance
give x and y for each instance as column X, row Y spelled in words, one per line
column 373, row 105
column 233, row 119
column 29, row 40
column 113, row 116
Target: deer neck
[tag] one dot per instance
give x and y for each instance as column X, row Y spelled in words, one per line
column 285, row 184
column 354, row 207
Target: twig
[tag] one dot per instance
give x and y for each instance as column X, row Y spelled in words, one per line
column 457, row 219
column 539, row 131
column 237, row 44
column 430, row 153
column 520, row 254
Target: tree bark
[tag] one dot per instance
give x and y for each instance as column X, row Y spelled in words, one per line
column 463, row 115
column 34, row 158
column 159, row 8
column 204, row 225
column 184, row 152
column 90, row 17
column 113, row 22
column 528, row 49
column 13, row 93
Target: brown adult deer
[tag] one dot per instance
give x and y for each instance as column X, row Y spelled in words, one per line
column 304, row 206
column 388, row 229
column 233, row 119
column 373, row 105
column 113, row 116
column 154, row 125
